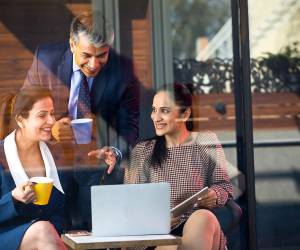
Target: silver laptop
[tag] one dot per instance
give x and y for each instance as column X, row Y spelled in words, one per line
column 130, row 209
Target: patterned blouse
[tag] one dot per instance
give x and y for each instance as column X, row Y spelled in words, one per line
column 188, row 168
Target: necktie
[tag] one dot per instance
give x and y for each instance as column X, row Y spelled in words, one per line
column 84, row 100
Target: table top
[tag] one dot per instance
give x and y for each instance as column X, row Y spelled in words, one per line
column 96, row 242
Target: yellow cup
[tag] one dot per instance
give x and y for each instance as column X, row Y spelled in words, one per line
column 42, row 186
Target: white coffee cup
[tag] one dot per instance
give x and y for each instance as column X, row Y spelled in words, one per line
column 82, row 130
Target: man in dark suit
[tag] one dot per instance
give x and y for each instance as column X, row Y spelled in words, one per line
column 113, row 87
column 89, row 62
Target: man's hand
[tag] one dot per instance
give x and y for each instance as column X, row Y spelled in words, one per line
column 62, row 131
column 209, row 200
column 24, row 193
column 107, row 155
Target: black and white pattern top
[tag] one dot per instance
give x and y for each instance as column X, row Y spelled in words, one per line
column 188, row 168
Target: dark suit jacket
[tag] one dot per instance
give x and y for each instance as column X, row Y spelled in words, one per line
column 114, row 93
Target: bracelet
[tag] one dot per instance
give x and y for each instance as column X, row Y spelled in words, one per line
column 117, row 153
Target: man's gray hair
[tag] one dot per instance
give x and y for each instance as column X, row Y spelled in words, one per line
column 93, row 25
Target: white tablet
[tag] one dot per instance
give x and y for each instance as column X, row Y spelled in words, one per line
column 188, row 203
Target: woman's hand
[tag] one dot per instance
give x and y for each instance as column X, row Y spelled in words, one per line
column 209, row 200
column 24, row 193
column 175, row 221
column 107, row 155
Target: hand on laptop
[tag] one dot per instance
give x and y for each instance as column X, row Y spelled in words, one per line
column 107, row 155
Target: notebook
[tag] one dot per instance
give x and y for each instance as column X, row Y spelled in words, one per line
column 130, row 209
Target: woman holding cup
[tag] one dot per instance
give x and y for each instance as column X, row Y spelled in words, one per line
column 25, row 222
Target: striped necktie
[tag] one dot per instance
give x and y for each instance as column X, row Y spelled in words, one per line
column 84, row 100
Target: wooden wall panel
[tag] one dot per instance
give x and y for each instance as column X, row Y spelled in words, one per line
column 136, row 37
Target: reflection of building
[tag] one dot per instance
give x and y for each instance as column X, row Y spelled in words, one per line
column 274, row 24
column 220, row 45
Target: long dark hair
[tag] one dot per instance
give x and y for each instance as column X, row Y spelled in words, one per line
column 182, row 98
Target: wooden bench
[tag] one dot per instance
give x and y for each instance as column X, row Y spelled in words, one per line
column 270, row 111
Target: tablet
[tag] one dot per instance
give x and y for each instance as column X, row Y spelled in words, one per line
column 188, row 203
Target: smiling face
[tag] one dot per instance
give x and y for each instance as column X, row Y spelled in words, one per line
column 37, row 126
column 166, row 115
column 90, row 59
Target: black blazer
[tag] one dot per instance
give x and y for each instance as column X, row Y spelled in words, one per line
column 114, row 93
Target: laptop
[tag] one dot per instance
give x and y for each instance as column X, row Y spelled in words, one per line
column 130, row 209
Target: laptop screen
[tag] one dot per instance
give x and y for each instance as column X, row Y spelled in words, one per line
column 130, row 209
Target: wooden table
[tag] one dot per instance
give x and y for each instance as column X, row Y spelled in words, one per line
column 94, row 242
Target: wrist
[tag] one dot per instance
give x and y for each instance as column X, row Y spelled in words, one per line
column 117, row 153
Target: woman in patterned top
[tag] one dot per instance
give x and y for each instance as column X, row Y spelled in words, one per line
column 189, row 161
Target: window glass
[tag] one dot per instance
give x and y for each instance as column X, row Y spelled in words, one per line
column 275, row 61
